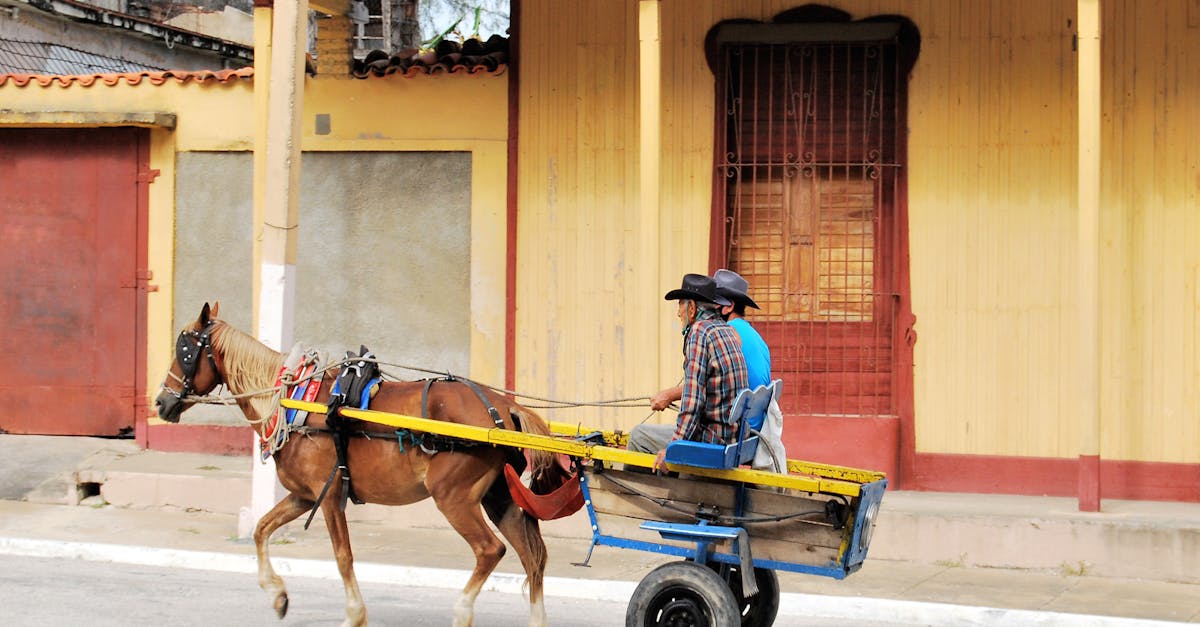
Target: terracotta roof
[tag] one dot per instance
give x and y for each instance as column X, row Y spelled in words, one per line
column 132, row 78
column 449, row 57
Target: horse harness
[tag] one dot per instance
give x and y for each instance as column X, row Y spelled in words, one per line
column 188, row 347
column 353, row 387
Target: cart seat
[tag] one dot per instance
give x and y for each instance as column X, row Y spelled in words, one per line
column 705, row 455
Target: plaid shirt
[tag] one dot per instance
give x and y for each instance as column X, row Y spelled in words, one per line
column 714, row 371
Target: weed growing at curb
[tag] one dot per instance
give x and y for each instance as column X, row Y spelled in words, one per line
column 958, row 563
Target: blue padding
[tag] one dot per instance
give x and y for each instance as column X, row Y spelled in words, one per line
column 748, row 403
column 707, row 455
column 366, row 393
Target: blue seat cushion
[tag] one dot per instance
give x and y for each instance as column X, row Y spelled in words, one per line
column 707, row 455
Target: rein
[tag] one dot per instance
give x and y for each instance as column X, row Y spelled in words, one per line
column 231, row 399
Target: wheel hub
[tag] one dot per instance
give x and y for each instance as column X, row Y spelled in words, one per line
column 682, row 613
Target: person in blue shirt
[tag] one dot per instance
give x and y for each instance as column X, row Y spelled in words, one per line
column 733, row 287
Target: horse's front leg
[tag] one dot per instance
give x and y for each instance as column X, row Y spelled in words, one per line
column 284, row 512
column 339, row 536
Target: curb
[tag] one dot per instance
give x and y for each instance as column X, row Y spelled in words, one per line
column 855, row 609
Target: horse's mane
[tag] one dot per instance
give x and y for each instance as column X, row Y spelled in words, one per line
column 250, row 365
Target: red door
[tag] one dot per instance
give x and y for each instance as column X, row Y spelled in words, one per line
column 68, row 257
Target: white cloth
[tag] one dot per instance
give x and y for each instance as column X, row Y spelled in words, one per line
column 770, row 441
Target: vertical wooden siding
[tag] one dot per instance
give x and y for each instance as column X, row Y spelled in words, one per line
column 991, row 202
column 579, row 334
column 1150, row 255
column 992, row 191
column 991, row 167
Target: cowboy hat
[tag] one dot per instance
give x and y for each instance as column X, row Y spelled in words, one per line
column 731, row 285
column 698, row 287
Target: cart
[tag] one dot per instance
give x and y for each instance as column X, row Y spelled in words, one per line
column 733, row 527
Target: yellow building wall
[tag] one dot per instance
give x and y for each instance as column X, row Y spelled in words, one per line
column 382, row 114
column 579, row 336
column 992, row 218
column 1150, row 254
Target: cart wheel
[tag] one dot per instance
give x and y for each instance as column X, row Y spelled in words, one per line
column 680, row 594
column 760, row 609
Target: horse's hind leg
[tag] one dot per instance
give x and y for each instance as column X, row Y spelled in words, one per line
column 464, row 514
column 525, row 536
column 339, row 536
column 284, row 512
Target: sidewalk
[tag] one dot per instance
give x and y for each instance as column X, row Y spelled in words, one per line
column 936, row 558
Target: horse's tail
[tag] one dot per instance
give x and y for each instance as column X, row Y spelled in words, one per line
column 546, row 472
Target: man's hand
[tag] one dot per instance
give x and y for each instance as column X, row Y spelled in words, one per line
column 663, row 399
column 660, row 463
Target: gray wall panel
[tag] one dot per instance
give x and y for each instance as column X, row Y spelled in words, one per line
column 383, row 257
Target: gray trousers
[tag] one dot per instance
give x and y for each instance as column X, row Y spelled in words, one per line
column 650, row 438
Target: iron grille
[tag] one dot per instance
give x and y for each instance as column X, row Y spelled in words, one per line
column 808, row 172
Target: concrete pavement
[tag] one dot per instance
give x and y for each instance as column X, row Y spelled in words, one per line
column 936, row 559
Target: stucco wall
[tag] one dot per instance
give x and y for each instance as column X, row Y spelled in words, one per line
column 386, row 265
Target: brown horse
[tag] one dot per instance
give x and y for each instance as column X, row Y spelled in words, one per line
column 210, row 352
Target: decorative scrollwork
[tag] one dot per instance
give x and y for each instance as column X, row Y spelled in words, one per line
column 730, row 171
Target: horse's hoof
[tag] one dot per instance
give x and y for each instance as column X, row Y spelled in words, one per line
column 281, row 605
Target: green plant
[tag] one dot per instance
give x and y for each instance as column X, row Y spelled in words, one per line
column 1078, row 569
column 432, row 43
column 958, row 563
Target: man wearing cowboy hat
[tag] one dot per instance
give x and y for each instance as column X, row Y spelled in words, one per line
column 714, row 371
column 732, row 287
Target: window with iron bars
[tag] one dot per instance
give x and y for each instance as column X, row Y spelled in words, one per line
column 807, row 184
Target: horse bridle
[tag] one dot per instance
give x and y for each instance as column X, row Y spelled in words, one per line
column 187, row 352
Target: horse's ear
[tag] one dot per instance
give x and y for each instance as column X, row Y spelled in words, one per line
column 204, row 315
column 216, row 307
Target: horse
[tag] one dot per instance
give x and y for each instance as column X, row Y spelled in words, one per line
column 461, row 481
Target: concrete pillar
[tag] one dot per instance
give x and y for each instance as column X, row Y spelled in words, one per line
column 1089, row 254
column 278, row 97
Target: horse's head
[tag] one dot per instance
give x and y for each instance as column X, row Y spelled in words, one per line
column 193, row 370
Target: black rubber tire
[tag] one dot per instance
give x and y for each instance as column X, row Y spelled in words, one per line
column 759, row 610
column 682, row 594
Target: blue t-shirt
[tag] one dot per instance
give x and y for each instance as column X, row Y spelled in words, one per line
column 758, row 359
